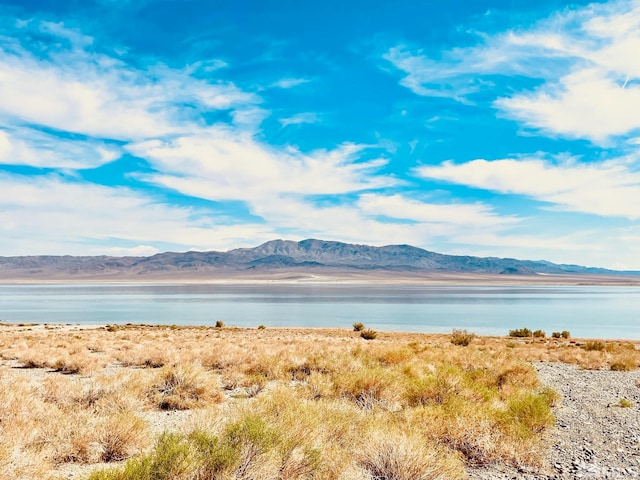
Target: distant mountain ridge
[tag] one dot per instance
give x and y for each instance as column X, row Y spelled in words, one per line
column 282, row 255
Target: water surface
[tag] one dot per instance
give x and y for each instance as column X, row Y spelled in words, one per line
column 586, row 311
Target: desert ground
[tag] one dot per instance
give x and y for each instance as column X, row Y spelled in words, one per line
column 126, row 402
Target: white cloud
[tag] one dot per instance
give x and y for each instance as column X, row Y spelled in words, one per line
column 586, row 58
column 101, row 96
column 29, row 147
column 609, row 188
column 224, row 164
column 300, row 118
column 585, row 104
column 290, row 82
column 137, row 251
column 463, row 215
column 55, row 216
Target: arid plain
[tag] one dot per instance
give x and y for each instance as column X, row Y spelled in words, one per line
column 131, row 402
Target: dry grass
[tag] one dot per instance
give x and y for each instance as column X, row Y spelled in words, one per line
column 279, row 403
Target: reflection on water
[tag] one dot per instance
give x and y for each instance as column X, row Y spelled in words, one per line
column 586, row 311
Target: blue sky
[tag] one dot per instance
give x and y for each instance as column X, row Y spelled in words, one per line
column 491, row 128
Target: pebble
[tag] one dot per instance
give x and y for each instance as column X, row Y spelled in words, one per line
column 594, row 437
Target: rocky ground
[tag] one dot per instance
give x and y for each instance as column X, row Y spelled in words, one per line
column 598, row 427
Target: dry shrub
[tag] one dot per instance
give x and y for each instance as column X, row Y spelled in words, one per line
column 388, row 356
column 121, row 436
column 623, row 363
column 462, row 337
column 18, row 464
column 476, row 434
column 76, row 363
column 34, row 359
column 595, row 345
column 20, row 411
column 367, row 387
column 369, row 334
column 433, row 389
column 402, row 457
column 267, row 366
column 518, row 376
column 145, row 357
column 182, row 387
column 69, row 436
column 316, row 386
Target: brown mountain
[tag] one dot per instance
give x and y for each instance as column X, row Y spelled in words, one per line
column 279, row 256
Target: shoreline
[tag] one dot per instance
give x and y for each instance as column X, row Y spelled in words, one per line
column 68, row 327
column 335, row 279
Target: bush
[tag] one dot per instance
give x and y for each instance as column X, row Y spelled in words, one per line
column 594, row 346
column 532, row 411
column 182, row 388
column 358, row 327
column 397, row 457
column 171, row 459
column 219, row 324
column 624, row 363
column 368, row 334
column 520, row 332
column 624, row 403
column 562, row 334
column 461, row 337
column 261, row 327
column 539, row 334
column 365, row 387
column 121, row 437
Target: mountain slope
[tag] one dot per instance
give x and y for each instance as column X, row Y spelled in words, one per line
column 281, row 255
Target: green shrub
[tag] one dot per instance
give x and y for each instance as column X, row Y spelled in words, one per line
column 520, row 332
column 171, row 459
column 539, row 334
column 215, row 456
column 261, row 327
column 219, row 324
column 358, row 327
column 461, row 337
column 368, row 334
column 532, row 411
column 624, row 403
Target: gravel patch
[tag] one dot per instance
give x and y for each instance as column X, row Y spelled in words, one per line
column 596, row 436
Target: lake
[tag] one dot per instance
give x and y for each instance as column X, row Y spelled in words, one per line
column 586, row 311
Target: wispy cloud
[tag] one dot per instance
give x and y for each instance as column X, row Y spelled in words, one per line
column 585, row 61
column 220, row 163
column 300, row 118
column 290, row 82
column 46, row 214
column 24, row 146
column 610, row 188
column 463, row 215
column 74, row 90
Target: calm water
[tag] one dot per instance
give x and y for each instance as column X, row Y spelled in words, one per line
column 604, row 312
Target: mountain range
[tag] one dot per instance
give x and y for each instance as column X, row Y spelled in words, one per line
column 278, row 257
